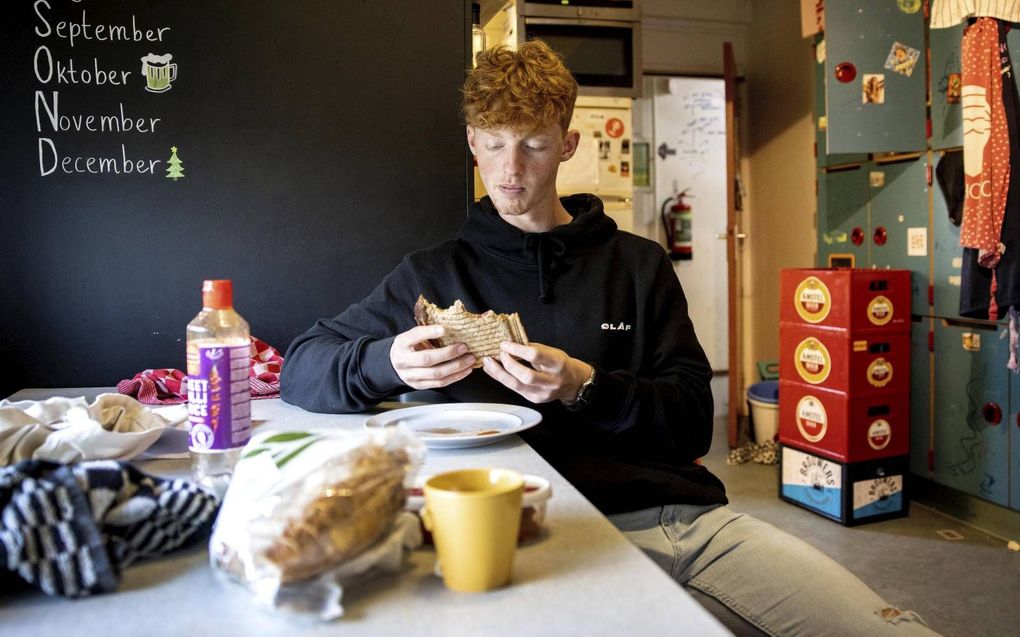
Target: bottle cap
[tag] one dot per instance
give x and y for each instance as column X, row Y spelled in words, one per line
column 217, row 294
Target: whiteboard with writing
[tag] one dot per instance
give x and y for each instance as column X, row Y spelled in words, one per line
column 690, row 154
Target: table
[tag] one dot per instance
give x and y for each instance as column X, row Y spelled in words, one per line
column 581, row 577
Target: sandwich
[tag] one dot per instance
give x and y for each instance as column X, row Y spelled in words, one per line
column 482, row 333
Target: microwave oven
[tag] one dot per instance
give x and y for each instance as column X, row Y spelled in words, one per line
column 600, row 41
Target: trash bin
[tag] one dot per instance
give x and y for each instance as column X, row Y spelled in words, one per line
column 764, row 400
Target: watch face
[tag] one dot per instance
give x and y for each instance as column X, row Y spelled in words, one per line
column 584, row 394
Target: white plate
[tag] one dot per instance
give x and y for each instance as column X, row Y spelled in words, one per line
column 459, row 425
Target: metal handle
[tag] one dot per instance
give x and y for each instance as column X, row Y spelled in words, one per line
column 739, row 235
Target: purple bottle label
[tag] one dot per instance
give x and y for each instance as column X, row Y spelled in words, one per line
column 219, row 398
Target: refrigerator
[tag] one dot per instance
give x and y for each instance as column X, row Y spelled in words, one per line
column 603, row 164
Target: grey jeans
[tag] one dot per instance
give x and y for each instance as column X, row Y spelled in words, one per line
column 778, row 583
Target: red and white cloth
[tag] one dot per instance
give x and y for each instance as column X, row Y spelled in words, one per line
column 170, row 386
column 156, row 387
column 985, row 142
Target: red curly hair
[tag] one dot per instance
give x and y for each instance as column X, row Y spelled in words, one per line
column 523, row 90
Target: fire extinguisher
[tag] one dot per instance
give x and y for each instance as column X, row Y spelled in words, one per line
column 676, row 221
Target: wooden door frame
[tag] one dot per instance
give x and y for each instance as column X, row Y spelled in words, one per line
column 733, row 235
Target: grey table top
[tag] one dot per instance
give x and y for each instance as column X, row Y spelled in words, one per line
column 580, row 577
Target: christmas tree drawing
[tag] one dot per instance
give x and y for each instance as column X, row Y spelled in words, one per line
column 176, row 166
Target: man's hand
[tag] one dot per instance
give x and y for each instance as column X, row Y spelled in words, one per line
column 553, row 374
column 422, row 366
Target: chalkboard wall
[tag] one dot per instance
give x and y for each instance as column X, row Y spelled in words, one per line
column 299, row 148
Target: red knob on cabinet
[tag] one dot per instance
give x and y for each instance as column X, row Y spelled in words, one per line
column 992, row 413
column 857, row 236
column 846, row 72
column 880, row 236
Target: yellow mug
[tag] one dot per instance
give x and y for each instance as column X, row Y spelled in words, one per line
column 474, row 516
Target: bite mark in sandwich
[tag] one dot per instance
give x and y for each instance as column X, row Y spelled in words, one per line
column 482, row 333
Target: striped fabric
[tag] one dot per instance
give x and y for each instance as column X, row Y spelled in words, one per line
column 70, row 530
column 946, row 14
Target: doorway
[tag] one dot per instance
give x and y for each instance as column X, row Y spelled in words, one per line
column 682, row 123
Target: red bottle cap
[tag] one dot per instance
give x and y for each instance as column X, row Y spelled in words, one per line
column 217, row 294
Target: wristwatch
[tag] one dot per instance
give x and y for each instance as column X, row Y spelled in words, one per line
column 584, row 394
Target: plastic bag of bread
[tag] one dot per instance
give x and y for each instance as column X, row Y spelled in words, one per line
column 305, row 509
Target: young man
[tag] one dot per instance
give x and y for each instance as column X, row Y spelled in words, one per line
column 626, row 411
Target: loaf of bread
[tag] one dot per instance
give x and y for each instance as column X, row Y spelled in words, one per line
column 482, row 333
column 344, row 519
column 302, row 503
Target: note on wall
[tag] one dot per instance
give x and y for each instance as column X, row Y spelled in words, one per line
column 96, row 106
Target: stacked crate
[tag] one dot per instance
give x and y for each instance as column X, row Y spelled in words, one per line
column 844, row 392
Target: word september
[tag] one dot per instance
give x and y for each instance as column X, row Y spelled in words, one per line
column 70, row 31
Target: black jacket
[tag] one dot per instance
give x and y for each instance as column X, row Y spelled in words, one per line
column 606, row 297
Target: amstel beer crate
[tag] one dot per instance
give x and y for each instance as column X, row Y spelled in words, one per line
column 854, row 362
column 846, row 299
column 849, row 493
column 844, row 427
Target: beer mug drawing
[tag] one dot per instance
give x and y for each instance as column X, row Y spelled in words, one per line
column 158, row 72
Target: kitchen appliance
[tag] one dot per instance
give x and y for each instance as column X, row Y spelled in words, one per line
column 603, row 163
column 600, row 40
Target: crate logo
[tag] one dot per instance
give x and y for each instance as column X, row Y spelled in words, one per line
column 812, row 300
column 880, row 492
column 879, row 434
column 812, row 361
column 880, row 310
column 878, row 496
column 812, row 421
column 880, row 372
column 820, row 475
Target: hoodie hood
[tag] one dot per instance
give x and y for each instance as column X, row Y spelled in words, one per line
column 544, row 252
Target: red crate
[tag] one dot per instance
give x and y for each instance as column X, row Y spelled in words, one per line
column 846, row 299
column 844, row 428
column 855, row 362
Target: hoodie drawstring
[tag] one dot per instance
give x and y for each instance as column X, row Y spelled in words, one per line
column 548, row 250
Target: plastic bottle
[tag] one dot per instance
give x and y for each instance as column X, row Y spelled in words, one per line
column 219, row 395
column 477, row 33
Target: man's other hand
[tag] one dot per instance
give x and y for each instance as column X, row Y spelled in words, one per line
column 553, row 374
column 422, row 366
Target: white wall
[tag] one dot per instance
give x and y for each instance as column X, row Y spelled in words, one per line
column 685, row 37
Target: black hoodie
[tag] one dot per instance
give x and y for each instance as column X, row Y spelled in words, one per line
column 606, row 297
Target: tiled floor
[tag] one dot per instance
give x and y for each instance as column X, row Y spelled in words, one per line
column 965, row 587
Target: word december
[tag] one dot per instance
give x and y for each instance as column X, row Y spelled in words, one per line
column 49, row 161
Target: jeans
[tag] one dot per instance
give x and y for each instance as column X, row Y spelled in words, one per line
column 776, row 582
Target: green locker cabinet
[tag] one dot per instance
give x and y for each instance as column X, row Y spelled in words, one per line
column 946, row 113
column 899, row 222
column 875, row 76
column 946, row 254
column 822, row 157
column 920, row 378
column 843, row 227
column 1013, row 425
column 971, row 409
